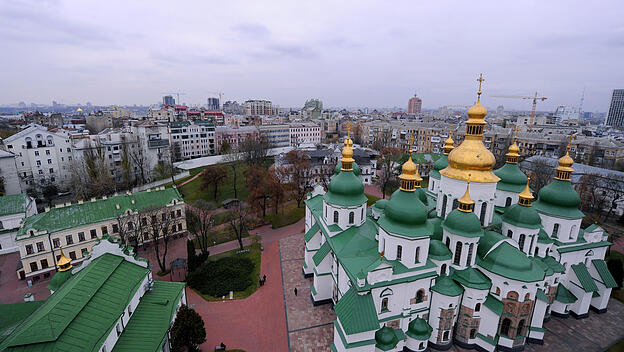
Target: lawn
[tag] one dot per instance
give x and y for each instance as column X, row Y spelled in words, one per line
column 221, row 235
column 222, row 217
column 616, row 293
column 255, row 254
column 286, row 215
column 371, row 199
column 192, row 191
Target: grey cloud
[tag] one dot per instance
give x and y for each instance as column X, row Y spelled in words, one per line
column 252, row 29
column 191, row 59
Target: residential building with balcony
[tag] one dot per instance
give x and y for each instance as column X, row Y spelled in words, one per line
column 192, row 139
column 235, row 136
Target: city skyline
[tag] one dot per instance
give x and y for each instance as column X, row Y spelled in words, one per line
column 346, row 54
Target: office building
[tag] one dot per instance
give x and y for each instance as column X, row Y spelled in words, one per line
column 277, row 135
column 169, row 100
column 304, row 133
column 615, row 114
column 213, row 104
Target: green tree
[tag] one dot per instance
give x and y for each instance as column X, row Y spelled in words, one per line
column 225, row 148
column 188, row 331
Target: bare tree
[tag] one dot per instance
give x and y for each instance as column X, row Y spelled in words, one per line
column 540, row 172
column 260, row 193
column 199, row 222
column 126, row 227
column 238, row 223
column 254, row 149
column 161, row 226
column 213, row 175
column 233, row 160
column 613, row 185
column 296, row 172
column 140, row 164
column 593, row 198
column 388, row 173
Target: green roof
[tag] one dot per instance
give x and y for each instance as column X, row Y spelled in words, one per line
column 438, row 250
column 151, row 319
column 12, row 204
column 489, row 239
column 311, row 232
column 542, row 237
column 446, row 286
column 512, row 179
column 553, row 264
column 440, row 164
column 321, row 253
column 559, row 198
column 508, row 261
column 357, row 312
column 77, row 215
column 405, row 215
column 345, row 189
column 463, row 224
column 386, row 338
column 473, row 278
column 315, row 203
column 583, row 245
column 80, row 315
column 435, row 224
column 59, row 279
column 419, row 329
column 522, row 216
column 564, row 295
column 494, row 305
column 587, row 282
column 13, row 314
column 605, row 274
column 593, row 227
column 541, row 295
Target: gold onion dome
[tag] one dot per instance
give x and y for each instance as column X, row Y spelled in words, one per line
column 526, row 197
column 63, row 263
column 347, row 152
column 564, row 170
column 471, row 156
column 448, row 144
column 465, row 202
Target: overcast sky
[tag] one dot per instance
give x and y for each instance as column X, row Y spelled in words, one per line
column 347, row 53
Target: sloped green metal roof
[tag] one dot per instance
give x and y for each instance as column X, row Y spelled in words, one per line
column 345, row 189
column 405, row 215
column 592, row 228
column 473, row 278
column 508, row 261
column 564, row 295
column 150, row 321
column 440, row 164
column 80, row 315
column 385, row 338
column 321, row 253
column 522, row 216
column 463, row 224
column 313, row 230
column 541, row 295
column 559, row 198
column 13, row 314
column 605, row 274
column 583, row 245
column 446, row 286
column 587, row 282
column 357, row 312
column 438, row 250
column 12, row 204
column 512, row 179
column 419, row 329
column 315, row 203
column 489, row 239
column 542, row 237
column 553, row 264
column 76, row 215
column 494, row 305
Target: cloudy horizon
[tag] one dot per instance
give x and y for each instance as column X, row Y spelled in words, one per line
column 354, row 53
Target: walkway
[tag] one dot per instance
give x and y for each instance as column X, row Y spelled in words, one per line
column 373, row 190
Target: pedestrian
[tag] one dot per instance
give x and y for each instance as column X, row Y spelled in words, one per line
column 295, row 291
column 260, row 282
column 264, row 278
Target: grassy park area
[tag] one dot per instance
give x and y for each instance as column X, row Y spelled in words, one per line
column 286, row 215
column 192, row 191
column 371, row 199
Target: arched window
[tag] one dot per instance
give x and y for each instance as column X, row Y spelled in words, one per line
column 384, row 303
column 455, row 203
column 443, row 269
column 469, row 257
column 420, row 295
column 555, row 230
column 444, row 201
column 445, row 336
column 351, row 217
column 421, row 346
column 399, row 252
column 498, row 291
column 326, row 211
column 362, row 214
column 508, row 202
column 504, row 330
column 335, row 216
column 520, row 328
column 521, row 241
column 473, row 333
column 483, row 211
column 448, row 242
column 572, row 231
column 509, row 233
column 417, row 257
column 536, row 251
column 478, row 307
column 527, row 297
column 458, row 249
column 512, row 295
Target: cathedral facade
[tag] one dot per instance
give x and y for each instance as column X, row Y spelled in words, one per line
column 472, row 260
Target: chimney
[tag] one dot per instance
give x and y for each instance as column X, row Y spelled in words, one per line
column 117, row 206
column 80, row 201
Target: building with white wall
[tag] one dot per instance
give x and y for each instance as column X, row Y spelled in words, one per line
column 13, row 209
column 306, row 133
column 8, row 173
column 192, row 139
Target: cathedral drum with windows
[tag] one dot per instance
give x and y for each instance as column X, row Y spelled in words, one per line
column 472, row 261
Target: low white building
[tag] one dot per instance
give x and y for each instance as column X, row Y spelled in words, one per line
column 304, row 133
column 13, row 209
column 8, row 173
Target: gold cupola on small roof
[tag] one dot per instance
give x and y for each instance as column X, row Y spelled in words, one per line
column 63, row 263
column 448, row 144
column 347, row 152
column 466, row 204
column 514, row 152
column 525, row 197
column 410, row 179
column 471, row 156
column 564, row 170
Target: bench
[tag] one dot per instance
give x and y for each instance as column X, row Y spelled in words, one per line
column 220, row 348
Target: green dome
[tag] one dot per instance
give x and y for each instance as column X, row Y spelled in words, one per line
column 508, row 261
column 438, row 250
column 512, row 179
column 59, row 279
column 436, row 228
column 405, row 214
column 385, row 338
column 345, row 189
column 463, row 224
column 525, row 217
column 419, row 329
column 559, row 198
column 446, row 286
column 440, row 164
column 422, row 196
column 356, row 168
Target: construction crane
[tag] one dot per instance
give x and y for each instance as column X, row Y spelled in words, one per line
column 534, row 98
column 177, row 95
column 220, row 94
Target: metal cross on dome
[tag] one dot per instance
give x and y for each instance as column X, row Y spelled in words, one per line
column 480, row 80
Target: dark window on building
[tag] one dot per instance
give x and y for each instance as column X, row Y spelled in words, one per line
column 483, row 212
column 420, row 295
column 335, row 216
column 93, row 233
column 458, row 249
column 469, row 257
column 477, row 307
column 520, row 328
column 399, row 252
column 69, row 239
column 509, row 233
column 521, row 241
column 81, row 236
column 504, row 330
column 33, row 266
column 384, row 303
column 473, row 333
column 44, row 263
column 40, row 247
column 104, row 230
column 508, row 202
column 56, row 242
column 115, row 228
column 179, row 213
column 444, row 200
column 417, row 256
column 72, row 255
column 555, row 230
column 351, row 218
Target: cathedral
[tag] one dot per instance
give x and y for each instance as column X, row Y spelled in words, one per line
column 473, row 260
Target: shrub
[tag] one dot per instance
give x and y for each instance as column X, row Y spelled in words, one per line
column 187, row 331
column 220, row 277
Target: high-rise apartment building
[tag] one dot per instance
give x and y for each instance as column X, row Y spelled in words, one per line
column 213, row 104
column 168, row 100
column 414, row 105
column 258, row 107
column 615, row 114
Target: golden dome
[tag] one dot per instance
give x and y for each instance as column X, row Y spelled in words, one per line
column 448, row 145
column 347, row 152
column 526, row 197
column 63, row 263
column 465, row 202
column 409, row 167
column 564, row 170
column 513, row 149
column 477, row 112
column 566, row 161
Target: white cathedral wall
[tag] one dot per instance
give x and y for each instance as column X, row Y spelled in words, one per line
column 537, row 320
column 543, row 249
column 438, row 302
column 439, row 263
column 500, row 198
column 581, row 306
column 479, row 193
column 507, row 285
column 359, row 215
column 530, row 239
column 353, row 338
column 400, row 297
column 581, row 256
column 488, row 326
column 343, row 280
column 466, row 242
column 434, row 184
column 568, row 228
column 409, row 247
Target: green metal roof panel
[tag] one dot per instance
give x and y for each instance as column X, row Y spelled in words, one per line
column 587, row 282
column 405, row 215
column 542, row 237
column 419, row 329
column 605, row 274
column 473, row 278
column 489, row 239
column 522, row 216
column 345, row 189
column 315, row 204
column 438, row 250
column 541, row 295
column 321, row 253
column 494, row 305
column 559, row 198
column 446, row 286
column 463, row 224
column 151, row 319
column 81, row 313
column 311, row 232
column 12, row 204
column 508, row 261
column 511, row 178
column 13, row 315
column 357, row 312
column 76, row 215
column 553, row 264
column 564, row 295
column 583, row 246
